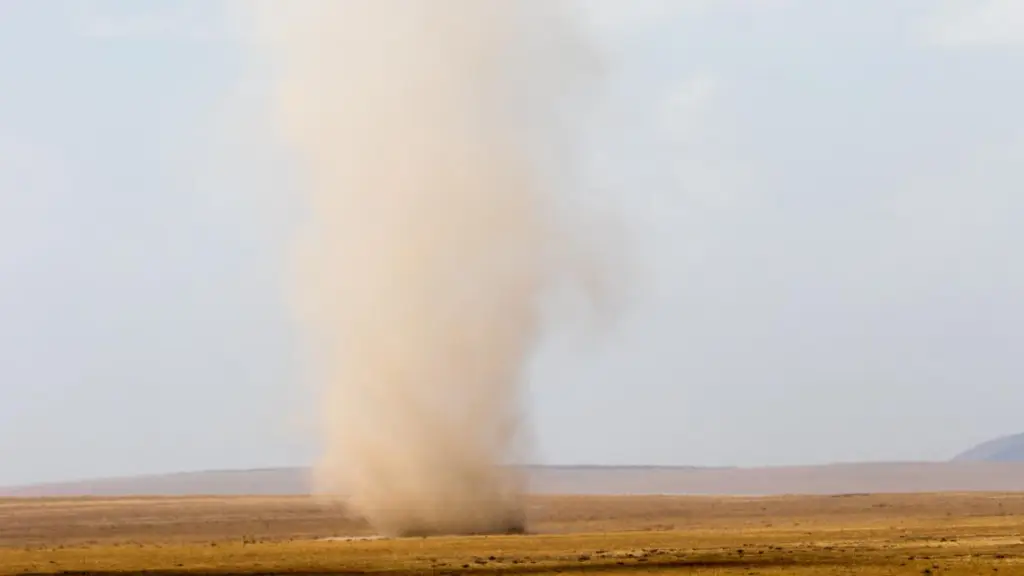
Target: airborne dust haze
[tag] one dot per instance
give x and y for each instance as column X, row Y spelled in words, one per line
column 428, row 133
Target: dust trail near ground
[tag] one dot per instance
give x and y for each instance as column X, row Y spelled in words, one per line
column 429, row 133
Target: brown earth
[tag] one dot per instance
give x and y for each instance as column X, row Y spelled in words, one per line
column 75, row 521
column 962, row 534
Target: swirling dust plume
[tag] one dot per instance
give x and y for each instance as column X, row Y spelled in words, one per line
column 423, row 128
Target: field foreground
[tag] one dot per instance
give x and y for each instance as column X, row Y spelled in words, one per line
column 965, row 534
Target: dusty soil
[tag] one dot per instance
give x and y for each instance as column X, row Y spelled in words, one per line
column 962, row 534
column 70, row 521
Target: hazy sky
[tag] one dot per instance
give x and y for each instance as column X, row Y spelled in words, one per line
column 812, row 205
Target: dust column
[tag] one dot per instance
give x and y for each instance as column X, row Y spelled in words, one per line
column 421, row 127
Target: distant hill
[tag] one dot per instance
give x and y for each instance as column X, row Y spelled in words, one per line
column 896, row 477
column 1005, row 449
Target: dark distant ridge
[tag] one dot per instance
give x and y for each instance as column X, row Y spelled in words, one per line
column 1005, row 449
column 891, row 477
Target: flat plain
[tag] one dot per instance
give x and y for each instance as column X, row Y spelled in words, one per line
column 962, row 534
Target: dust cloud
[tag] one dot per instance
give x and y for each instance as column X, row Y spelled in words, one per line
column 431, row 135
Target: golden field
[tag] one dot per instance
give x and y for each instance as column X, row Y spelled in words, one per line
column 964, row 534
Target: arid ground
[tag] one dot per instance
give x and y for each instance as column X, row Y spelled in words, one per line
column 965, row 534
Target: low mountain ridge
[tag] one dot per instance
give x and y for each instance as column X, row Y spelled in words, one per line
column 1003, row 449
column 890, row 477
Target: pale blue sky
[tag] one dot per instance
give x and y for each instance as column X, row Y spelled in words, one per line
column 817, row 202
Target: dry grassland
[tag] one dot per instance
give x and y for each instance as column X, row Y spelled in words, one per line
column 962, row 534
